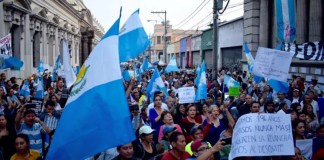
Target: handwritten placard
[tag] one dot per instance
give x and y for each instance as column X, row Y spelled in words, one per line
column 262, row 135
column 186, row 95
column 5, row 45
column 272, row 64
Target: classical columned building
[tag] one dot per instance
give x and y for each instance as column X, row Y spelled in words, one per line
column 38, row 29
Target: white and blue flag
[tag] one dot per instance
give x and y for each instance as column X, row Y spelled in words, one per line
column 40, row 67
column 286, row 22
column 156, row 84
column 230, row 82
column 146, row 65
column 96, row 113
column 202, row 83
column 68, row 70
column 133, row 39
column 172, row 66
column 25, row 91
column 250, row 61
column 57, row 67
column 40, row 88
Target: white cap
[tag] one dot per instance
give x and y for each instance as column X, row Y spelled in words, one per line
column 145, row 130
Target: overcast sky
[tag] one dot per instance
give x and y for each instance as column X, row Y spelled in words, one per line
column 107, row 11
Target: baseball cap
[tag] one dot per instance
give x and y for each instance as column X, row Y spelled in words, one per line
column 145, row 130
column 196, row 144
column 168, row 129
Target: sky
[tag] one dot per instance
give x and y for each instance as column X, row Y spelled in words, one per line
column 178, row 11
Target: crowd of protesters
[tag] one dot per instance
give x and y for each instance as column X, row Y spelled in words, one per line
column 165, row 129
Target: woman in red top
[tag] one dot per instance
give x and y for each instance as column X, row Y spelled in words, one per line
column 192, row 119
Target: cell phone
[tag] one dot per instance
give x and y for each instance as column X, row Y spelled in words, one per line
column 227, row 140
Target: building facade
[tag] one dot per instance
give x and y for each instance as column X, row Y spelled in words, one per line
column 38, row 29
column 260, row 31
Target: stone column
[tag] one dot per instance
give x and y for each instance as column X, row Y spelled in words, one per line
column 264, row 26
column 301, row 21
column 85, row 49
column 251, row 24
column 2, row 24
column 315, row 20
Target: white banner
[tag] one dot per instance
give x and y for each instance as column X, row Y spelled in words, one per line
column 5, row 45
column 273, row 64
column 262, row 135
column 186, row 95
column 308, row 51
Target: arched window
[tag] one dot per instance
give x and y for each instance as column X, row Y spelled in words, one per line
column 36, row 48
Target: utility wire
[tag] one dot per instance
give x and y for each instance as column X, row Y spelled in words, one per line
column 191, row 13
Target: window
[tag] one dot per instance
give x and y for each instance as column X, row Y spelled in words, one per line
column 158, row 39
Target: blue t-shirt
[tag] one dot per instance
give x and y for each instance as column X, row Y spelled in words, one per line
column 34, row 135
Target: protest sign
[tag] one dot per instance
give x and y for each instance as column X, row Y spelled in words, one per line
column 309, row 51
column 253, row 135
column 234, row 91
column 5, row 45
column 186, row 95
column 272, row 64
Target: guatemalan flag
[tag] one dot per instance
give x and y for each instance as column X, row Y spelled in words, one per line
column 40, row 67
column 57, row 67
column 146, row 65
column 25, row 91
column 68, row 70
column 133, row 39
column 40, row 88
column 156, row 84
column 286, row 22
column 202, row 83
column 96, row 116
column 197, row 76
column 250, row 61
column 230, row 82
column 172, row 66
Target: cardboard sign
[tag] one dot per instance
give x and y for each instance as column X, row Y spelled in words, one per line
column 273, row 64
column 234, row 91
column 186, row 95
column 262, row 135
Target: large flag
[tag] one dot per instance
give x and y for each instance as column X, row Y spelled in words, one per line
column 156, row 84
column 40, row 88
column 25, row 91
column 250, row 61
column 197, row 76
column 202, row 84
column 68, row 70
column 57, row 67
column 146, row 65
column 133, row 39
column 286, row 22
column 230, row 82
column 96, row 114
column 172, row 66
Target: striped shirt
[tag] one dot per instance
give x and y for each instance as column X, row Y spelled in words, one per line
column 34, row 135
column 50, row 122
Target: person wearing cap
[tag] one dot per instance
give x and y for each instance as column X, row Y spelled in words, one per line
column 168, row 121
column 31, row 126
column 167, row 131
column 144, row 147
column 197, row 133
column 178, row 143
column 201, row 150
column 314, row 87
column 296, row 98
